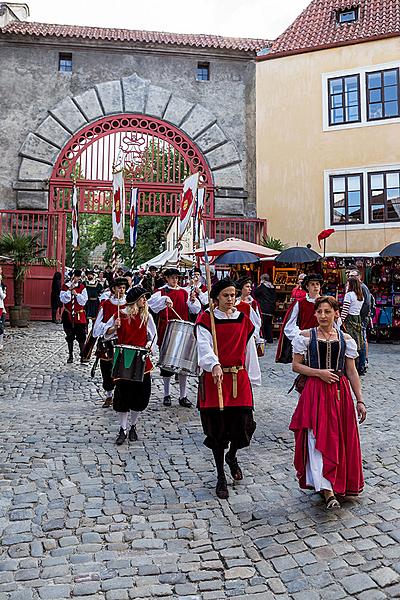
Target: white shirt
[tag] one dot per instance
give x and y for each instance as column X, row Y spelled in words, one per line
column 354, row 304
column 2, row 298
column 291, row 328
column 99, row 327
column 255, row 318
column 208, row 359
column 151, row 331
column 81, row 299
column 301, row 342
column 157, row 302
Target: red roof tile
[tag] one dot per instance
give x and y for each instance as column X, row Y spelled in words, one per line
column 128, row 35
column 317, row 27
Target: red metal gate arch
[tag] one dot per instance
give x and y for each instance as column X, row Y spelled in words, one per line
column 160, row 156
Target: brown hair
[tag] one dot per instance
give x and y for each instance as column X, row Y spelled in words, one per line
column 333, row 303
column 355, row 286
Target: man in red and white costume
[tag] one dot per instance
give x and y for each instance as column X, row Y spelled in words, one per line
column 300, row 315
column 168, row 302
column 74, row 326
column 109, row 308
column 236, row 367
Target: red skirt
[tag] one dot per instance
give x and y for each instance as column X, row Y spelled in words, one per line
column 332, row 418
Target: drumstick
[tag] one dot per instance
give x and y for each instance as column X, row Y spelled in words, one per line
column 118, row 305
column 180, row 318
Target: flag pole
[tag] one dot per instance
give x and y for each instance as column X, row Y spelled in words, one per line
column 212, row 316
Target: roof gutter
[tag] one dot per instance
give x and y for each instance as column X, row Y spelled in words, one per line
column 271, row 55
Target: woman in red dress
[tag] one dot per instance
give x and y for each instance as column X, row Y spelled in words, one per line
column 134, row 327
column 327, row 443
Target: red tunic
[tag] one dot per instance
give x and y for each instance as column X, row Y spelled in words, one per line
column 306, row 320
column 79, row 311
column 109, row 309
column 298, row 294
column 232, row 338
column 133, row 333
column 179, row 297
column 244, row 307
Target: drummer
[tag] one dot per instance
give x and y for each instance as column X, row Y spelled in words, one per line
column 134, row 327
column 109, row 308
column 236, row 367
column 173, row 302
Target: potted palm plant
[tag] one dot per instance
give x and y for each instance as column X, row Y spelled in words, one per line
column 23, row 250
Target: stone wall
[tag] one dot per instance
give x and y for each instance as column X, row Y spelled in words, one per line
column 41, row 108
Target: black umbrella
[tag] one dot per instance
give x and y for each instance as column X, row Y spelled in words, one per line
column 236, row 257
column 298, row 254
column 392, row 250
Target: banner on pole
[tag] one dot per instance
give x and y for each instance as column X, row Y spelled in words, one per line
column 133, row 218
column 118, row 207
column 198, row 215
column 187, row 202
column 75, row 218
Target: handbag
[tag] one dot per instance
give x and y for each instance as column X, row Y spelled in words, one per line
column 299, row 383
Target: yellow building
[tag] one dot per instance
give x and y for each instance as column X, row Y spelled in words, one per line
column 328, row 127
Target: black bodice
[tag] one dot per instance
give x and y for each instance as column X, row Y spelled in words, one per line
column 323, row 354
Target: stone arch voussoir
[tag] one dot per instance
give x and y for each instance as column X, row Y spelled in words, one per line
column 131, row 94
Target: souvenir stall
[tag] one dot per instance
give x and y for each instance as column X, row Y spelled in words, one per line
column 382, row 276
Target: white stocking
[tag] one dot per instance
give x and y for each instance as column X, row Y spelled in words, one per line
column 182, row 385
column 123, row 420
column 167, row 381
column 134, row 416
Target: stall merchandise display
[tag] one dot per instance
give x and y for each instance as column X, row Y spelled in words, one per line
column 284, row 280
column 382, row 276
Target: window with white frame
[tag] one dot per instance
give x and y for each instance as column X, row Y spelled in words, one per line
column 346, row 199
column 384, row 196
column 367, row 96
column 367, row 197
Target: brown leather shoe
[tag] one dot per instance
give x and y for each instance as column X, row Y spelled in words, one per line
column 107, row 402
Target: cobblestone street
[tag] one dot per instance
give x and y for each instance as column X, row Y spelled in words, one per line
column 81, row 517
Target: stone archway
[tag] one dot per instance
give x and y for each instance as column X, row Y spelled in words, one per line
column 133, row 95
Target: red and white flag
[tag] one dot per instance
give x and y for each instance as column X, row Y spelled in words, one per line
column 198, row 215
column 118, row 207
column 133, row 218
column 188, row 200
column 75, row 218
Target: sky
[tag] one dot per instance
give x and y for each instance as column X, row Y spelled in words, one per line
column 238, row 18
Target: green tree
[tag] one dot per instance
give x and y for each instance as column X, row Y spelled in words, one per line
column 273, row 243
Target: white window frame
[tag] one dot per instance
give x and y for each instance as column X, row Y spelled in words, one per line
column 350, row 171
column 362, row 72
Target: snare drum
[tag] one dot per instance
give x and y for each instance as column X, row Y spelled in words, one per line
column 178, row 352
column 129, row 363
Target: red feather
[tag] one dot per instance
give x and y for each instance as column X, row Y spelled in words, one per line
column 324, row 234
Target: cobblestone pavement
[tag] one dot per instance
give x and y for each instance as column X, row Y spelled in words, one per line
column 80, row 517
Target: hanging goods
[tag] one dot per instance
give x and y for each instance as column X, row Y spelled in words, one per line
column 178, row 351
column 129, row 363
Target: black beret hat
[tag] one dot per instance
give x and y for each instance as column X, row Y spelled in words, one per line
column 119, row 281
column 171, row 271
column 311, row 277
column 135, row 293
column 221, row 285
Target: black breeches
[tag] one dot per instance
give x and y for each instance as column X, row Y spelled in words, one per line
column 106, row 369
column 76, row 332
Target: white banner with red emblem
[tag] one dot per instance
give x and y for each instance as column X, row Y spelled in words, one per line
column 75, row 218
column 188, row 200
column 133, row 218
column 118, row 207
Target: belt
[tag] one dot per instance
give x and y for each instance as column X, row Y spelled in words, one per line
column 234, row 371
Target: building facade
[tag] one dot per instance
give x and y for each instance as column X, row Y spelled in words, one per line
column 328, row 127
column 57, row 79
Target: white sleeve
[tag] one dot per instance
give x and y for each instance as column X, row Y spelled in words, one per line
column 65, row 296
column 300, row 344
column 251, row 362
column 157, row 302
column 203, row 297
column 82, row 298
column 194, row 307
column 291, row 327
column 2, row 293
column 351, row 348
column 256, row 320
column 152, row 333
column 207, row 357
column 98, row 327
column 106, row 327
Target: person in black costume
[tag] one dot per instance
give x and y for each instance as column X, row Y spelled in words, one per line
column 265, row 295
